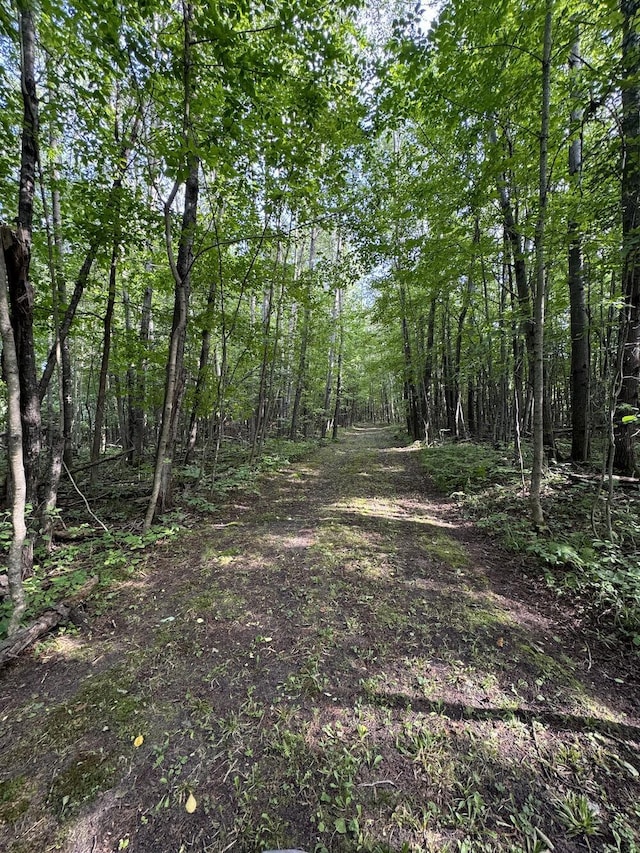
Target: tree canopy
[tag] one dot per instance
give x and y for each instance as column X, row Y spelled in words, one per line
column 233, row 221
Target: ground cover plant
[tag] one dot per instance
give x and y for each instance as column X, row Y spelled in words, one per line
column 597, row 572
column 340, row 663
column 97, row 531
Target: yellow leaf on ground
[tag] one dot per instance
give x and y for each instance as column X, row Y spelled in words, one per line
column 138, row 741
column 191, row 804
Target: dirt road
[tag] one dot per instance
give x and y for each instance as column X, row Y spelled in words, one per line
column 339, row 663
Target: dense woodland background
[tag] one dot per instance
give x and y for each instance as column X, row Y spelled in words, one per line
column 234, row 222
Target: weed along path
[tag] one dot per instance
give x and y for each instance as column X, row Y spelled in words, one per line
column 339, row 663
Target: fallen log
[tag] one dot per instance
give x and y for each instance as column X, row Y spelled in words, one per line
column 58, row 615
column 618, row 479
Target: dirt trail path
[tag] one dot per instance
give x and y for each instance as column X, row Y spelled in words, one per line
column 339, row 663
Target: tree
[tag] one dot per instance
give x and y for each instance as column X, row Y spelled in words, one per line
column 579, row 318
column 625, row 431
column 11, row 373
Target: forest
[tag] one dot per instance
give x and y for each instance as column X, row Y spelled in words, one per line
column 233, row 223
column 321, row 426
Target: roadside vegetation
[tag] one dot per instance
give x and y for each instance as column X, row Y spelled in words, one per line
column 592, row 562
column 97, row 530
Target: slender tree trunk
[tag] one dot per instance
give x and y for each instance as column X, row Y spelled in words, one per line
column 539, row 300
column 275, row 352
column 15, row 456
column 336, row 411
column 301, row 374
column 428, row 371
column 48, row 505
column 411, row 397
column 174, row 384
column 139, row 385
column 18, row 260
column 66, row 381
column 201, row 381
column 515, row 242
column 181, row 271
column 457, row 368
column 260, row 414
column 579, row 318
column 326, row 409
column 625, row 430
column 60, row 300
column 98, row 423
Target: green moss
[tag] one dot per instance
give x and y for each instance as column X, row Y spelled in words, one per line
column 442, row 547
column 224, row 604
column 82, row 780
column 13, row 801
column 104, row 702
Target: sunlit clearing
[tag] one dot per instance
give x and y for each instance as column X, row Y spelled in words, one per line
column 409, row 448
column 389, row 512
column 65, row 646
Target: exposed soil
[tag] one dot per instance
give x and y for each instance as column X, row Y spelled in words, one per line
column 340, row 663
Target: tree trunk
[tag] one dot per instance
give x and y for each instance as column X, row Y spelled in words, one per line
column 14, row 441
column 539, row 300
column 181, row 271
column 98, row 423
column 64, row 354
column 326, row 409
column 578, row 308
column 428, row 371
column 18, row 259
column 301, row 374
column 625, row 430
column 336, row 411
column 514, row 239
column 174, row 384
column 201, row 381
column 139, row 382
column 260, row 413
column 411, row 398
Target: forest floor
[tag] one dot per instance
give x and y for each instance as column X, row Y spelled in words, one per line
column 339, row 663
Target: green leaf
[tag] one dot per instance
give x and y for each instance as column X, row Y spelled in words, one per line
column 341, row 826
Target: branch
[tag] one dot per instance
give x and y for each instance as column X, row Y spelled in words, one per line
column 86, row 502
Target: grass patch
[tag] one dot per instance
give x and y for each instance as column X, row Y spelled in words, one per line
column 444, row 548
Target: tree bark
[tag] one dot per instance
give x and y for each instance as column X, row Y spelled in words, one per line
column 15, row 453
column 625, row 432
column 18, row 260
column 174, row 384
column 301, row 374
column 578, row 309
column 138, row 390
column 537, row 515
column 66, row 383
column 336, row 411
column 201, row 381
column 181, row 271
column 514, row 239
column 104, row 364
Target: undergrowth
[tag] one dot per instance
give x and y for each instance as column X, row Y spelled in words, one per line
column 601, row 574
column 81, row 551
